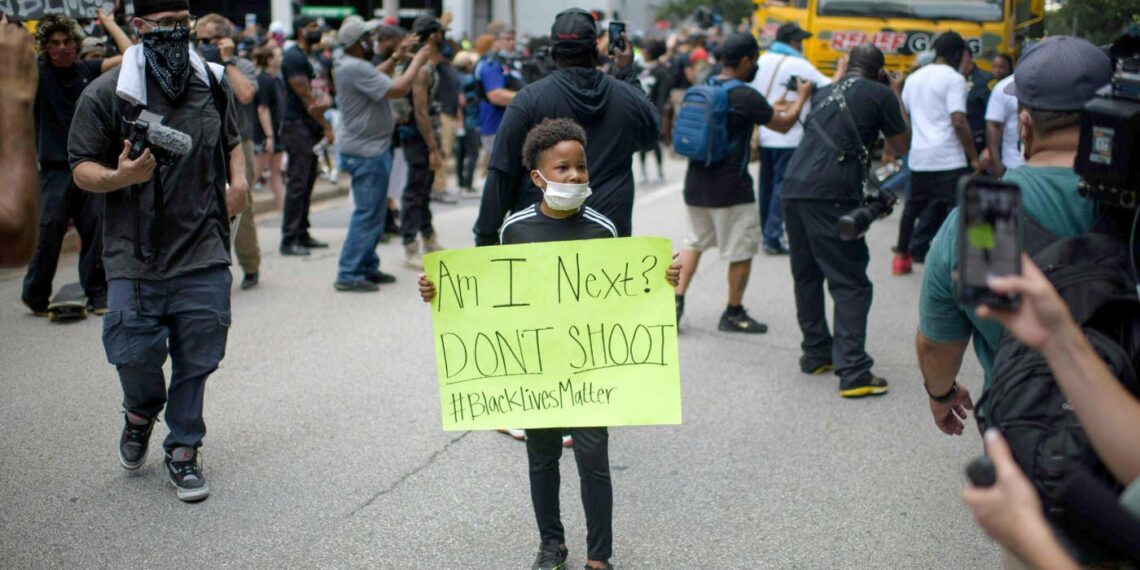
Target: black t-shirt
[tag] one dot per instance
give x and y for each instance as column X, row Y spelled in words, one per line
column 531, row 225
column 448, row 92
column 977, row 97
column 728, row 183
column 814, row 171
column 271, row 94
column 294, row 63
column 58, row 92
column 196, row 230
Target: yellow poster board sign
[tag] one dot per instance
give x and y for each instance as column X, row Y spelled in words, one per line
column 561, row 334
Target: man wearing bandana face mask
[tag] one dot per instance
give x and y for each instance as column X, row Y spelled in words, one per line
column 62, row 78
column 166, row 232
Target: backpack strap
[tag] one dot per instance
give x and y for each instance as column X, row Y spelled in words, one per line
column 772, row 82
column 729, row 85
column 838, row 97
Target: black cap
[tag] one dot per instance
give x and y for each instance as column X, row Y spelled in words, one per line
column 148, row 7
column 302, row 21
column 1060, row 73
column 738, row 46
column 574, row 31
column 426, row 25
column 791, row 32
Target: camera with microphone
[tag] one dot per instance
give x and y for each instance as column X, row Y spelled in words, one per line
column 1108, row 159
column 167, row 145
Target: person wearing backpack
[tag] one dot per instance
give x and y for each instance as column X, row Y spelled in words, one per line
column 1053, row 81
column 825, row 180
column 718, row 187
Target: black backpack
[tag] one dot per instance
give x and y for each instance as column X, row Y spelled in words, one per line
column 1092, row 273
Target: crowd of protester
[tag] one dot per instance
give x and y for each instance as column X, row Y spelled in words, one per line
column 515, row 122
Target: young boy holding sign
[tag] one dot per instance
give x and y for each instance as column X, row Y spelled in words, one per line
column 555, row 151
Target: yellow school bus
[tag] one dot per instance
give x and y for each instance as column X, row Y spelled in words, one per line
column 902, row 28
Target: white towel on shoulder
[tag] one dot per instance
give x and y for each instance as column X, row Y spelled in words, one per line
column 132, row 77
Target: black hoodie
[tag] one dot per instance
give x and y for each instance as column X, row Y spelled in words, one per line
column 619, row 120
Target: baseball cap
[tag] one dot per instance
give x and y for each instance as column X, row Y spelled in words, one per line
column 353, row 28
column 791, row 32
column 738, row 46
column 1060, row 73
column 573, row 30
column 426, row 25
column 91, row 44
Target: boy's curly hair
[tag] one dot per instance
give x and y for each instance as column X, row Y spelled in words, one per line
column 546, row 135
column 53, row 23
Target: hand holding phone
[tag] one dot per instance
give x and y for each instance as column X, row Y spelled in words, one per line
column 989, row 240
column 615, row 32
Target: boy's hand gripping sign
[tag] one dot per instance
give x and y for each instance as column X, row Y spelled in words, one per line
column 562, row 334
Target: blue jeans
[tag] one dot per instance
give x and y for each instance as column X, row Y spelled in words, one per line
column 187, row 317
column 773, row 164
column 358, row 258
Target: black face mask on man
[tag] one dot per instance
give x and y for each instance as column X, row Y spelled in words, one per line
column 167, row 53
column 210, row 52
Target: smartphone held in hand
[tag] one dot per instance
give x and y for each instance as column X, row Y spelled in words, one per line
column 989, row 239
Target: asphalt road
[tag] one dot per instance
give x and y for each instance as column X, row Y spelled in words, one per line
column 325, row 447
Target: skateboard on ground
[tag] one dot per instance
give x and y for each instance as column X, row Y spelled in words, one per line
column 70, row 303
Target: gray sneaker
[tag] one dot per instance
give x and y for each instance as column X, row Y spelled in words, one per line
column 184, row 470
column 133, row 444
column 551, row 556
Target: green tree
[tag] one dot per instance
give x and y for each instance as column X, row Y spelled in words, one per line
column 730, row 10
column 1099, row 21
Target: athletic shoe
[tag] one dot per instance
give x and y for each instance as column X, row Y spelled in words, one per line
column 518, row 434
column 741, row 323
column 357, row 286
column 902, row 264
column 815, row 366
column 551, row 556
column 444, row 197
column 777, row 249
column 186, row 475
column 37, row 310
column 294, row 249
column 313, row 243
column 607, row 566
column 133, row 444
column 249, row 281
column 412, row 257
column 381, row 278
column 567, row 441
column 432, row 244
column 871, row 386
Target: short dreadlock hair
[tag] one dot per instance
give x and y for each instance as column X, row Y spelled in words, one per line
column 548, row 134
column 53, row 23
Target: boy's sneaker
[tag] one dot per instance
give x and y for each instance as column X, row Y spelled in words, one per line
column 184, row 471
column 551, row 556
column 871, row 386
column 133, row 444
column 518, row 434
column 742, row 323
column 902, row 264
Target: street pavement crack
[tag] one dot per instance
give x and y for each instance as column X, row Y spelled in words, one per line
column 430, row 460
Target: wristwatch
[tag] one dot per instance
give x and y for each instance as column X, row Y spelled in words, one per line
column 945, row 397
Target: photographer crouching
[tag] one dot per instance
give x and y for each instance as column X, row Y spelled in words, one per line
column 158, row 136
column 824, row 181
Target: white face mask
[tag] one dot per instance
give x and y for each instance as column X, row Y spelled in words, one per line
column 561, row 196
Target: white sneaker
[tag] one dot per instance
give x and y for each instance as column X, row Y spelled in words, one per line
column 518, row 434
column 412, row 257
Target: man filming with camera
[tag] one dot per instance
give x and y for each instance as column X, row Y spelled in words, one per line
column 158, row 136
column 825, row 180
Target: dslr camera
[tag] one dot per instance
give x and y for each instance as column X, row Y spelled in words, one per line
column 166, row 144
column 877, row 204
column 1109, row 153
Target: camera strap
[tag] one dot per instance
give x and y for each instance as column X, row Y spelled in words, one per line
column 837, row 97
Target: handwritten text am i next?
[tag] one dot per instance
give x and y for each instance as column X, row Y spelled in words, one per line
column 562, row 334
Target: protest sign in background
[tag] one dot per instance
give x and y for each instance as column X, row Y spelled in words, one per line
column 562, row 334
column 35, row 9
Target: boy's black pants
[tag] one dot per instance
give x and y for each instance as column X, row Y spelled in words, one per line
column 591, row 451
